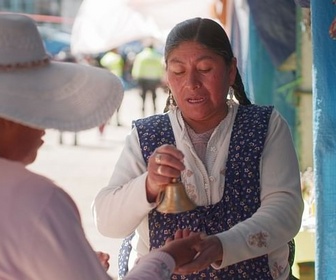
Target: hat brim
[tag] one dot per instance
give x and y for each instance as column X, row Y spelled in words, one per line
column 62, row 96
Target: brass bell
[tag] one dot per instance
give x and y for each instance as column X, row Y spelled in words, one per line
column 174, row 199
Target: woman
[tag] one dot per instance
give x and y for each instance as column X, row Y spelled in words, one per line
column 236, row 161
column 40, row 228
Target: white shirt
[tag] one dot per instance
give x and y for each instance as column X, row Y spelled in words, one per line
column 40, row 230
column 277, row 220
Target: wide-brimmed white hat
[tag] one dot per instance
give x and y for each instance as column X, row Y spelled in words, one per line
column 41, row 93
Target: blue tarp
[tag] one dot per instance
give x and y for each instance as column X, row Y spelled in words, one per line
column 269, row 45
column 55, row 40
column 264, row 80
column 275, row 22
column 324, row 127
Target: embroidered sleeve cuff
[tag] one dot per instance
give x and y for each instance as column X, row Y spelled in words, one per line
column 158, row 265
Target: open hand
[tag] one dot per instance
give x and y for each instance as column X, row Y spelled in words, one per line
column 209, row 251
column 183, row 246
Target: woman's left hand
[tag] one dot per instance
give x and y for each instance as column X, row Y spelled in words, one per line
column 209, row 251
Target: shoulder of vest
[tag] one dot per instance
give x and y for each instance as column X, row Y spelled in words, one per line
column 254, row 109
column 156, row 119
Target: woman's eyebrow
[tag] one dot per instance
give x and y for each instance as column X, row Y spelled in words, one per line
column 203, row 57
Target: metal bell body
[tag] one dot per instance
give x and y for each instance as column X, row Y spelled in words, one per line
column 175, row 199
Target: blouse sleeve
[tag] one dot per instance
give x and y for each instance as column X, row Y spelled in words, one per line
column 279, row 217
column 155, row 265
column 124, row 194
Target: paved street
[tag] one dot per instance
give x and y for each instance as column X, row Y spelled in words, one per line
column 84, row 169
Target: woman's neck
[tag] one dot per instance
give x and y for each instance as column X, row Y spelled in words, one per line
column 202, row 126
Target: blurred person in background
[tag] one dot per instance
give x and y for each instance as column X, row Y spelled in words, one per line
column 148, row 71
column 65, row 55
column 114, row 62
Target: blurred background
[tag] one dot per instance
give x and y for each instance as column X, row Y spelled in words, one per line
column 271, row 39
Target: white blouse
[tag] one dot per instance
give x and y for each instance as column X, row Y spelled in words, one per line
column 277, row 220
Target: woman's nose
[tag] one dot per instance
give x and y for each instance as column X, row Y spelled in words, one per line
column 193, row 81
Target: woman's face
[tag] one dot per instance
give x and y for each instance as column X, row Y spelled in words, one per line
column 19, row 142
column 199, row 80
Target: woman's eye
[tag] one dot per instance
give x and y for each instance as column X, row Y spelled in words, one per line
column 178, row 73
column 205, row 70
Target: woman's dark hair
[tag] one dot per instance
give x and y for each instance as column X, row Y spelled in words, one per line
column 212, row 35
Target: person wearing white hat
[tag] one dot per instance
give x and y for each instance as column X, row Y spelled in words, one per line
column 40, row 227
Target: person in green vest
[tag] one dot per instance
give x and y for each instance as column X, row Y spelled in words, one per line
column 114, row 62
column 147, row 71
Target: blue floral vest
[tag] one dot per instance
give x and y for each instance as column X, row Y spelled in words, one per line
column 241, row 197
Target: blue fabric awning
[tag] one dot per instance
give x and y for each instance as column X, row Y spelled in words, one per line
column 275, row 22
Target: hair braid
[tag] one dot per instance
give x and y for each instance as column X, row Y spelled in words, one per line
column 239, row 90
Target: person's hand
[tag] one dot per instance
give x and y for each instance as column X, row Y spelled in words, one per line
column 164, row 164
column 104, row 259
column 182, row 246
column 209, row 251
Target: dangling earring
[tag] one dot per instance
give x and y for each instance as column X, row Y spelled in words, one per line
column 172, row 105
column 230, row 102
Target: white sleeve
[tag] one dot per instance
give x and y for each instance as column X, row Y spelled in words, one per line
column 123, row 202
column 155, row 265
column 279, row 217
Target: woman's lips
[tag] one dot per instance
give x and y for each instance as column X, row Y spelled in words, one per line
column 196, row 100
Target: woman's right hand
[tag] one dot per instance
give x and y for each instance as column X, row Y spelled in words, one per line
column 165, row 164
column 182, row 246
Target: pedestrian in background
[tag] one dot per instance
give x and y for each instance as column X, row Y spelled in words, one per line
column 114, row 62
column 148, row 71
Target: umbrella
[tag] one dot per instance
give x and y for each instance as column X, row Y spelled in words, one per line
column 106, row 24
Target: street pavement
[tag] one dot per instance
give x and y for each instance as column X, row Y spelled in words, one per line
column 84, row 169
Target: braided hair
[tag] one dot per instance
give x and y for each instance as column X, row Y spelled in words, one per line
column 213, row 36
